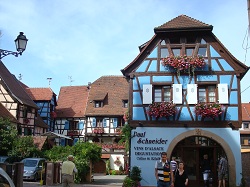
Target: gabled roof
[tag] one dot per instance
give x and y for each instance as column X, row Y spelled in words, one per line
column 245, row 111
column 186, row 26
column 4, row 113
column 72, row 101
column 14, row 87
column 40, row 94
column 116, row 90
column 183, row 23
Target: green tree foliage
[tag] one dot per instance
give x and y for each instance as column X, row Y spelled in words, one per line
column 24, row 147
column 8, row 133
column 125, row 136
column 83, row 152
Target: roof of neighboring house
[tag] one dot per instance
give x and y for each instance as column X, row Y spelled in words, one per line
column 245, row 111
column 6, row 114
column 40, row 94
column 14, row 87
column 113, row 90
column 72, row 101
column 39, row 141
column 40, row 123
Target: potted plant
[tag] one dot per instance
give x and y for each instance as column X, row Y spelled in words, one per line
column 133, row 180
column 184, row 63
column 163, row 109
column 208, row 110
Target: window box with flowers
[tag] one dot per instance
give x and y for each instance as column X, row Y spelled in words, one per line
column 53, row 114
column 73, row 133
column 26, row 120
column 184, row 63
column 208, row 110
column 98, row 130
column 163, row 109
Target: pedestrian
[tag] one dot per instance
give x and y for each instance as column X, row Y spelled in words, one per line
column 180, row 176
column 206, row 169
column 222, row 171
column 68, row 170
column 173, row 164
column 163, row 172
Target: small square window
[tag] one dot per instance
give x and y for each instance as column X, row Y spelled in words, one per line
column 98, row 104
column 246, row 125
column 125, row 103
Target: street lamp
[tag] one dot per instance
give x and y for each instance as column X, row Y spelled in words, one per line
column 21, row 42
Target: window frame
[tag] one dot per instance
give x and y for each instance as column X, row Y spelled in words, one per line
column 162, row 93
column 206, row 87
column 100, row 104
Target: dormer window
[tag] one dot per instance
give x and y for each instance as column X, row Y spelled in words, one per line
column 125, row 103
column 98, row 104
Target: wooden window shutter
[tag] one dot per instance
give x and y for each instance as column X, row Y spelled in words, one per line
column 177, row 93
column 75, row 140
column 66, row 125
column 81, row 125
column 147, row 94
column 115, row 122
column 63, row 141
column 94, row 122
column 223, row 93
column 192, row 93
column 104, row 122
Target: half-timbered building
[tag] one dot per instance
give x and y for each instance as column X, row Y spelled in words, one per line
column 16, row 100
column 45, row 99
column 70, row 111
column 184, row 98
column 245, row 140
column 107, row 104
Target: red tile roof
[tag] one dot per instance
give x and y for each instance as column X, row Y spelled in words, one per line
column 14, row 87
column 245, row 111
column 40, row 94
column 116, row 90
column 72, row 101
column 184, row 22
column 4, row 113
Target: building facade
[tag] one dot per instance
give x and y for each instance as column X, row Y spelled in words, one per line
column 184, row 99
column 16, row 100
column 107, row 104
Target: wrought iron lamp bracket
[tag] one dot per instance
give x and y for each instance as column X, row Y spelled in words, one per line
column 4, row 53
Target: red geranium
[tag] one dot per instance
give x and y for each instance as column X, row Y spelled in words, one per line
column 184, row 63
column 163, row 109
column 210, row 110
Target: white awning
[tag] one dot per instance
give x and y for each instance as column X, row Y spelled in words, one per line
column 55, row 135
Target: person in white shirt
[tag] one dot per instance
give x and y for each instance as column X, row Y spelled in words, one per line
column 68, row 170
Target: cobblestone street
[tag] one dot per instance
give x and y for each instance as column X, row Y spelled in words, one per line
column 99, row 181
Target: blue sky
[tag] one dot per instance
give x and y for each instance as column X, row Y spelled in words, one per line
column 86, row 39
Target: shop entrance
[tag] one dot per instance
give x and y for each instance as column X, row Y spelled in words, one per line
column 192, row 150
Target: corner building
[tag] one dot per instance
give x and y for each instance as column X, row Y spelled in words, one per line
column 200, row 81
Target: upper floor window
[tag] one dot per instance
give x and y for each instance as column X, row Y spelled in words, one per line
column 98, row 104
column 162, row 93
column 207, row 94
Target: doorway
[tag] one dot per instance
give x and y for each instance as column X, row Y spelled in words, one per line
column 191, row 150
